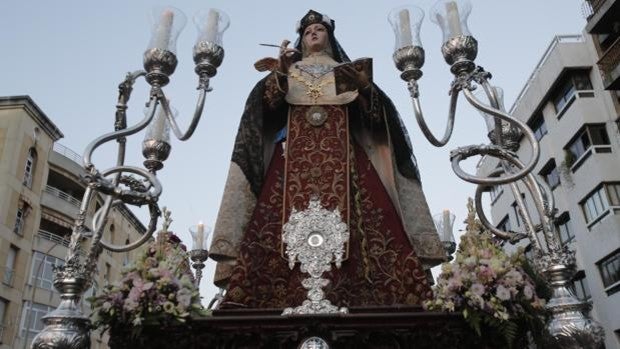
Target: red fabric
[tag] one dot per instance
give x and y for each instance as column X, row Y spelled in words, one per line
column 262, row 278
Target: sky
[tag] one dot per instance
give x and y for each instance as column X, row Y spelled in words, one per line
column 69, row 56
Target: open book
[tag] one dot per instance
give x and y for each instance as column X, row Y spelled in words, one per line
column 344, row 82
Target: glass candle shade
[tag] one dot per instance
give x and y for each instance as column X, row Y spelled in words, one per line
column 166, row 25
column 200, row 236
column 406, row 22
column 159, row 128
column 481, row 95
column 451, row 16
column 211, row 25
column 444, row 223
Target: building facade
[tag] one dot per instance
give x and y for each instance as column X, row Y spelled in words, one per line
column 41, row 194
column 603, row 17
column 575, row 120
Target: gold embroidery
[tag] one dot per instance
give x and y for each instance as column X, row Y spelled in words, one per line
column 314, row 85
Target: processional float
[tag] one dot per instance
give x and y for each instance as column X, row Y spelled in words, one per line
column 67, row 327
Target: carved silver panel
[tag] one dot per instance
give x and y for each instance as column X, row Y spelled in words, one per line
column 315, row 237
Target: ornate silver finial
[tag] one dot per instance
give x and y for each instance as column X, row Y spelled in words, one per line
column 315, row 237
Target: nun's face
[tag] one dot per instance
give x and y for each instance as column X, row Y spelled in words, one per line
column 315, row 37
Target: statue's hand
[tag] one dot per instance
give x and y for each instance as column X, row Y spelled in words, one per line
column 287, row 56
column 359, row 78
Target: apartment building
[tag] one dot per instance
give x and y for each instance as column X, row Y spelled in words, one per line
column 575, row 120
column 603, row 24
column 41, row 193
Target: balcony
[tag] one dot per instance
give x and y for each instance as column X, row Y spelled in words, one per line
column 55, row 238
column 601, row 15
column 609, row 65
column 62, row 195
column 60, row 201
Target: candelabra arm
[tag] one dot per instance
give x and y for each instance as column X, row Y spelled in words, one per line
column 412, row 85
column 511, row 236
column 197, row 114
column 546, row 211
column 526, row 217
column 463, row 153
column 118, row 134
column 154, row 215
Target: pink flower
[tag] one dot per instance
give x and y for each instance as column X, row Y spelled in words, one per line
column 477, row 289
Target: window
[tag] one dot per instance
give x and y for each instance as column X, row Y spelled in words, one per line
column 591, row 136
column 598, row 203
column 31, row 161
column 609, row 268
column 19, row 221
column 4, row 304
column 108, row 273
column 495, row 192
column 31, row 319
column 595, row 205
column 580, row 286
column 565, row 228
column 126, row 255
column 565, row 91
column 42, row 273
column 9, row 271
column 537, row 124
column 515, row 211
column 551, row 175
column 504, row 224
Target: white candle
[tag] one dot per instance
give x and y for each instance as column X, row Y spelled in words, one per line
column 405, row 28
column 454, row 22
column 212, row 25
column 163, row 33
column 447, row 227
column 200, row 236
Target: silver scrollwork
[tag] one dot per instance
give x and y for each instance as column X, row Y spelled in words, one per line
column 315, row 237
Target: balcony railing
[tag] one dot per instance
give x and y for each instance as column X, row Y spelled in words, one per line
column 62, row 195
column 590, row 7
column 8, row 277
column 68, row 153
column 610, row 59
column 55, row 238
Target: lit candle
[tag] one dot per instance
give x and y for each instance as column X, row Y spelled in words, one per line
column 447, row 227
column 454, row 22
column 405, row 28
column 212, row 25
column 164, row 30
column 200, row 235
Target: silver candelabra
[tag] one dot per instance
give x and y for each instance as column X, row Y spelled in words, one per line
column 66, row 326
column 568, row 326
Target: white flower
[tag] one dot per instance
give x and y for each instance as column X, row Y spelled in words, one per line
column 528, row 292
column 502, row 293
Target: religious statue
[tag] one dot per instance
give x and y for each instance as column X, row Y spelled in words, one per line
column 299, row 140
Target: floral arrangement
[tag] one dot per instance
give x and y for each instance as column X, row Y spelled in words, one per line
column 159, row 286
column 491, row 288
